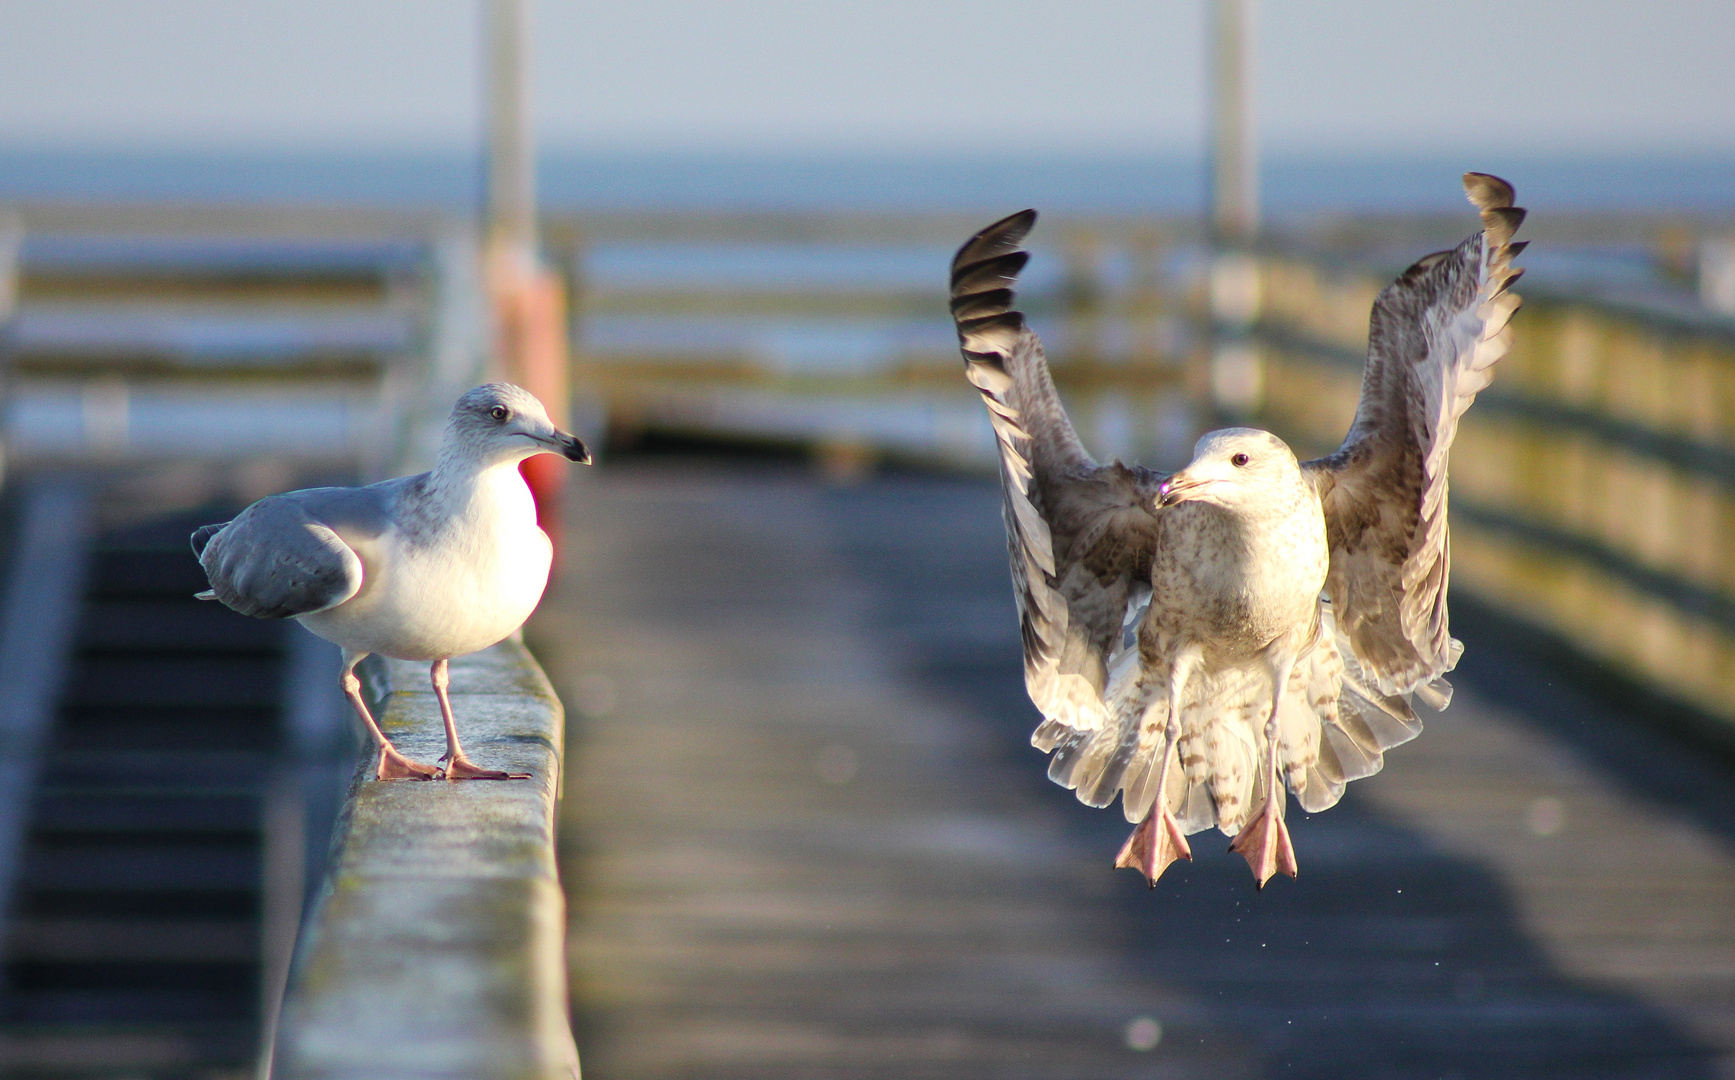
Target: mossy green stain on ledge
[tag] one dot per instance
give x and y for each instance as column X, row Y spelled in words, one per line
column 437, row 946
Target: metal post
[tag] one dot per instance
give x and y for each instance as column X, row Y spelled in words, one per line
column 511, row 141
column 1717, row 274
column 528, row 300
column 1237, row 375
column 11, row 245
column 1234, row 157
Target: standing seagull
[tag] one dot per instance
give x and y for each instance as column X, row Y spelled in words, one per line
column 423, row 567
column 1285, row 611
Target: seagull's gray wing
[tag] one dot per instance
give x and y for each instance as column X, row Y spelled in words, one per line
column 283, row 556
column 1081, row 536
column 1435, row 336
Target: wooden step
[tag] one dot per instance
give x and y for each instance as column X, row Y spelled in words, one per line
column 175, row 623
column 93, row 940
column 181, row 813
column 136, row 923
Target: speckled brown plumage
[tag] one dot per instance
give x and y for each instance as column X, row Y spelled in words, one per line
column 1088, row 543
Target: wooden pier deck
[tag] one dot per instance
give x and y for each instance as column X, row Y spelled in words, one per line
column 804, row 836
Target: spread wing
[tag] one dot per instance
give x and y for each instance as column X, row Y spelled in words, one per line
column 277, row 560
column 1080, row 536
column 1435, row 336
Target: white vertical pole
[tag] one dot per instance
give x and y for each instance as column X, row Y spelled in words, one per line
column 1237, row 373
column 11, row 245
column 528, row 300
column 1234, row 152
column 511, row 140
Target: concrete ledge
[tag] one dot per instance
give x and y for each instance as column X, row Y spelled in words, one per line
column 436, row 947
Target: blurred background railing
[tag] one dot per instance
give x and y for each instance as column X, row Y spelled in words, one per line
column 831, row 331
column 176, row 769
column 228, row 334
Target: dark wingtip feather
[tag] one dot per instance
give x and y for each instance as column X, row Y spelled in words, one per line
column 1488, row 192
column 1493, row 196
column 980, row 305
column 1501, row 222
column 1510, row 280
column 1001, row 238
column 998, row 272
column 983, row 274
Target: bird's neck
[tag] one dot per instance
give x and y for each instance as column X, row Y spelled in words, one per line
column 1284, row 542
column 457, row 459
column 475, row 494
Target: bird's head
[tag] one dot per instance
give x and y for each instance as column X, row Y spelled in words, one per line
column 1231, row 467
column 499, row 422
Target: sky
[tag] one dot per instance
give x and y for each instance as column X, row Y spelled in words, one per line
column 958, row 77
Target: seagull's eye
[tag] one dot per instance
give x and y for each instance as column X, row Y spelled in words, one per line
column 499, row 413
column 1238, row 460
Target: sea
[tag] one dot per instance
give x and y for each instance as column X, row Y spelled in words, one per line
column 987, row 179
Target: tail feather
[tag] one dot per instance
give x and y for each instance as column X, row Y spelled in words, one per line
column 1233, row 759
column 1067, row 756
column 1100, row 761
column 1332, row 729
column 1195, row 812
column 1346, row 761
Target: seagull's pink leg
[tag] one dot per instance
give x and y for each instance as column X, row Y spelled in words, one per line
column 1264, row 841
column 392, row 765
column 458, row 766
column 1158, row 841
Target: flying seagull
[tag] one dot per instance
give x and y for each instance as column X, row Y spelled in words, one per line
column 423, row 567
column 1196, row 642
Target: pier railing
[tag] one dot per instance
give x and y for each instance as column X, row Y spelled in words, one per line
column 1593, row 484
column 229, row 335
column 436, row 945
column 176, row 357
column 830, row 330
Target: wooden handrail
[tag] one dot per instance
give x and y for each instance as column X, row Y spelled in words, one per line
column 436, row 946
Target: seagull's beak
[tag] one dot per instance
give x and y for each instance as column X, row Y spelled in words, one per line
column 566, row 444
column 572, row 446
column 1179, row 488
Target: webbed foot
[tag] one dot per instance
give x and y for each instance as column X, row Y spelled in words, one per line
column 1157, row 842
column 395, row 766
column 460, row 767
column 1264, row 843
